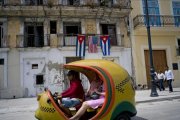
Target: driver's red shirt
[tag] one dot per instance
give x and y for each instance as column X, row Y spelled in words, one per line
column 75, row 90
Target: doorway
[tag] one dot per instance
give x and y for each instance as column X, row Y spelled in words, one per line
column 160, row 63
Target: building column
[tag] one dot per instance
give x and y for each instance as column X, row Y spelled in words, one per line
column 60, row 32
column 83, row 26
column 97, row 26
column 46, row 31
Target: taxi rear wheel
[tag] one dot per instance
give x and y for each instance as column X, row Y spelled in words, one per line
column 123, row 116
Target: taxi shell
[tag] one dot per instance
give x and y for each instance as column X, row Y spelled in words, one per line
column 120, row 94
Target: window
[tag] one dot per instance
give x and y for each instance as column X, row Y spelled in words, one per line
column 178, row 41
column 39, row 79
column 176, row 12
column 53, row 27
column 154, row 15
column 109, row 29
column 71, row 30
column 73, row 2
column 1, row 61
column 1, row 34
column 34, row 66
column 1, row 2
column 105, row 2
column 34, row 35
column 175, row 66
column 178, row 48
column 34, row 2
column 102, row 2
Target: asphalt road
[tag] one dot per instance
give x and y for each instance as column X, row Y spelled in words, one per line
column 161, row 110
column 23, row 109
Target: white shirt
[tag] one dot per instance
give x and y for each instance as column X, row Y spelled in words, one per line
column 169, row 75
column 161, row 76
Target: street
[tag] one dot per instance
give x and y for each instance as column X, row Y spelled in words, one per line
column 23, row 109
column 18, row 109
column 162, row 110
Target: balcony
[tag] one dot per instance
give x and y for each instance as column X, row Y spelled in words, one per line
column 64, row 9
column 70, row 39
column 157, row 20
column 4, row 43
column 23, row 41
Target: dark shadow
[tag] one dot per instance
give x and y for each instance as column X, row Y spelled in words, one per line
column 138, row 118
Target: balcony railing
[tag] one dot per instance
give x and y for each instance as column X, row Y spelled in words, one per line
column 70, row 39
column 4, row 41
column 94, row 3
column 32, row 41
column 157, row 20
column 91, row 3
column 23, row 41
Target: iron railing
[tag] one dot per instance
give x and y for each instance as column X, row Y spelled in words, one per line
column 91, row 3
column 70, row 39
column 32, row 41
column 23, row 41
column 94, row 3
column 4, row 42
column 157, row 20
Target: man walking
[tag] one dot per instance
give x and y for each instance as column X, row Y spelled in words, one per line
column 169, row 77
column 161, row 78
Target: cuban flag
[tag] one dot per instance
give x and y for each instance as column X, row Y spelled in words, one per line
column 80, row 46
column 105, row 44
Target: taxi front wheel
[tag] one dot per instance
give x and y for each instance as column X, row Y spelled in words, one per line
column 123, row 116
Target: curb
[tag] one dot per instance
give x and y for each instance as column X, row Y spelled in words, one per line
column 160, row 99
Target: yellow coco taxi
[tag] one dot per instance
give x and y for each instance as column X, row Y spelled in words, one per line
column 119, row 98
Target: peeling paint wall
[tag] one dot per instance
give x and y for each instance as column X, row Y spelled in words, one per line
column 54, row 55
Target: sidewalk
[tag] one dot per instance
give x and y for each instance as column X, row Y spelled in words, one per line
column 143, row 96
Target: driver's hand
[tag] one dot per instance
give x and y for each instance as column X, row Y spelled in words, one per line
column 59, row 97
column 55, row 94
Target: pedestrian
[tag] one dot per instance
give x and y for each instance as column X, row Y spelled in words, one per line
column 169, row 77
column 161, row 78
column 156, row 80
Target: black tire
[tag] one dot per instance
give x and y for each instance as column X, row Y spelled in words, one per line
column 123, row 116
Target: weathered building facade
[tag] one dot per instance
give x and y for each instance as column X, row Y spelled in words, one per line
column 164, row 17
column 38, row 36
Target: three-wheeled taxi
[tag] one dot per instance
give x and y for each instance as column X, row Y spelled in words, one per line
column 119, row 98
